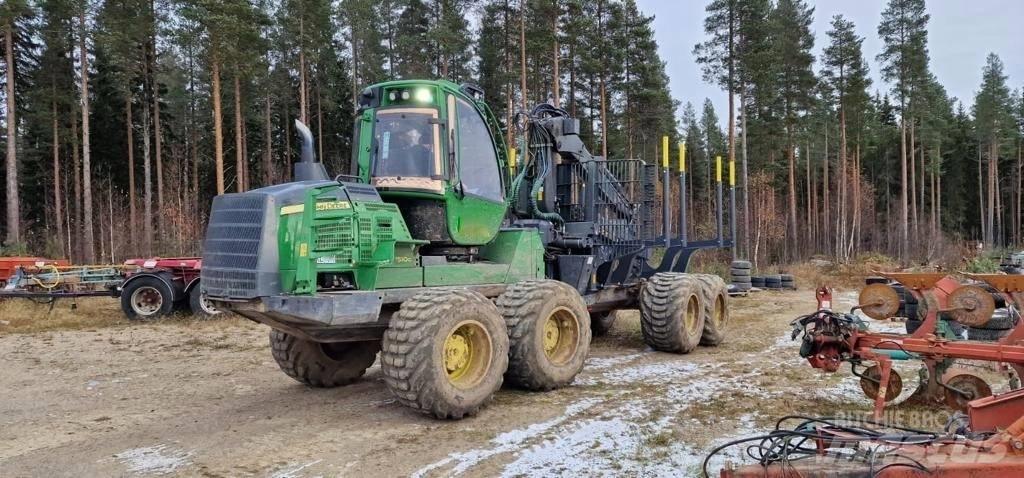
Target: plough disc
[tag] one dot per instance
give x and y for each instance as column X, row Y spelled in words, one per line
column 879, row 301
column 967, row 387
column 871, row 378
column 971, row 305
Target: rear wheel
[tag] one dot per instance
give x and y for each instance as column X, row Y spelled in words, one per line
column 445, row 352
column 549, row 333
column 200, row 306
column 319, row 364
column 671, row 315
column 146, row 298
column 715, row 301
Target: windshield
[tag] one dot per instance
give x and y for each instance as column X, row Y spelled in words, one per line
column 406, row 143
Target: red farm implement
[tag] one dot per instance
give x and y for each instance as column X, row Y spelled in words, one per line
column 148, row 288
column 985, row 440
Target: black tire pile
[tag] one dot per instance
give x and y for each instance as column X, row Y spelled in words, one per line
column 744, row 281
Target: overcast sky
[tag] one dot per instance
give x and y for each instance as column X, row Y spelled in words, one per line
column 961, row 34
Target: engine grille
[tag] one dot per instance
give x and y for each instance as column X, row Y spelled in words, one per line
column 231, row 252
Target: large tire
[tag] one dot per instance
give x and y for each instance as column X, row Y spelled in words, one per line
column 985, row 334
column 322, row 365
column 146, row 298
column 671, row 315
column 740, row 265
column 548, row 332
column 601, row 322
column 715, row 300
column 445, row 353
column 200, row 307
column 739, row 272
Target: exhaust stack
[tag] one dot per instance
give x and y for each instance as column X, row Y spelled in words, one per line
column 308, row 168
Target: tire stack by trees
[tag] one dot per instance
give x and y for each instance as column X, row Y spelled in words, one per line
column 740, row 274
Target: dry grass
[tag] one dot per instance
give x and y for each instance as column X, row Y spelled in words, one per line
column 25, row 316
column 22, row 316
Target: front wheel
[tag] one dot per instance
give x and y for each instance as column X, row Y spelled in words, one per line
column 601, row 322
column 445, row 352
column 319, row 364
column 146, row 298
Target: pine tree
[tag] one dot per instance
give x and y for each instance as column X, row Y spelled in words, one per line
column 792, row 42
column 846, row 74
column 995, row 127
column 904, row 59
column 413, row 33
column 14, row 17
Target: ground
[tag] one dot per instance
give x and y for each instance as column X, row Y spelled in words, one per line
column 104, row 397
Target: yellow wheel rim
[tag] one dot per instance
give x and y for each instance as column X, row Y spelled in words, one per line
column 692, row 319
column 719, row 310
column 467, row 354
column 561, row 331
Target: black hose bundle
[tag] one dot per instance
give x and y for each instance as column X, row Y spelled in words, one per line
column 784, row 446
column 539, row 156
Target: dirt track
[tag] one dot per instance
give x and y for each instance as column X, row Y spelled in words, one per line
column 206, row 399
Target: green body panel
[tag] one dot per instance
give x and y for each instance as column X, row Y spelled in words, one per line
column 471, row 221
column 358, row 240
column 512, row 256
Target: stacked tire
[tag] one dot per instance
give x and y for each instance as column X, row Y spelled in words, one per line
column 1001, row 323
column 773, row 281
column 787, row 281
column 740, row 273
column 757, row 281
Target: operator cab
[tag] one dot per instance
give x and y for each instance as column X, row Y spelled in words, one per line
column 433, row 149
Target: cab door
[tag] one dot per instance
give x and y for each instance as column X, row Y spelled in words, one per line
column 478, row 208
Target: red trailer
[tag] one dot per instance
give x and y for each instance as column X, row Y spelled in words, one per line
column 148, row 288
column 157, row 286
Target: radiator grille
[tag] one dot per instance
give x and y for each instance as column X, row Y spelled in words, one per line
column 231, row 252
column 334, row 236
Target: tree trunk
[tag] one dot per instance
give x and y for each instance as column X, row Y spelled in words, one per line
column 981, row 201
column 147, row 181
column 746, row 188
column 77, row 167
column 158, row 138
column 89, row 233
column 58, row 213
column 826, row 190
column 268, row 144
column 904, row 214
column 843, row 188
column 303, row 102
column 13, row 204
column 522, row 55
column 239, row 158
column 129, row 127
column 791, row 153
column 555, row 54
column 912, row 151
column 218, row 131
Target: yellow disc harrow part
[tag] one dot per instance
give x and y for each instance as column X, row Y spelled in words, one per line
column 467, row 354
column 561, row 335
column 971, row 305
column 879, row 301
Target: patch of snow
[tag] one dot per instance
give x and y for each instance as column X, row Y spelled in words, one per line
column 504, row 443
column 601, row 363
column 293, row 472
column 157, row 459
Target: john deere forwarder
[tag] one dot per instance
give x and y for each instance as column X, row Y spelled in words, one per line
column 459, row 266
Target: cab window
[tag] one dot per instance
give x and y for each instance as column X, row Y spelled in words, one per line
column 478, row 162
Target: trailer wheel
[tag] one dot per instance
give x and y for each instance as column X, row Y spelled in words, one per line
column 715, row 301
column 445, row 352
column 601, row 322
column 200, row 306
column 146, row 298
column 549, row 333
column 321, row 364
column 671, row 313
